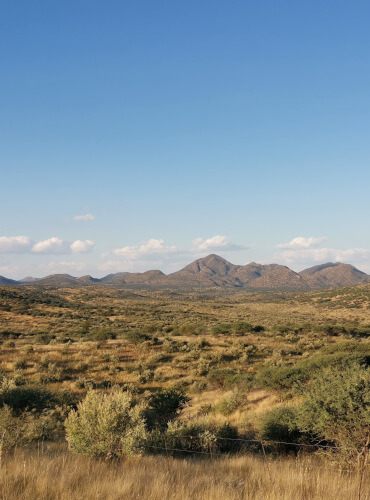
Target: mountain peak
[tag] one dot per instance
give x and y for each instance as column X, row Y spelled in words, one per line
column 215, row 271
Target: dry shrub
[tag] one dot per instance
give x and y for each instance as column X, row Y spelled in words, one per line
column 106, row 425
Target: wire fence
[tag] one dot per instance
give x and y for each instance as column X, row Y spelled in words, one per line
column 211, row 451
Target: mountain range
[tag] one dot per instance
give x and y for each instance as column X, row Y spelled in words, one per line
column 214, row 271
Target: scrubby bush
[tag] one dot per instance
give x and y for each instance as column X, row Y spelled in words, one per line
column 20, row 399
column 20, row 364
column 231, row 403
column 285, row 378
column 280, row 424
column 145, row 376
column 106, row 425
column 136, row 337
column 103, row 334
column 18, row 430
column 202, row 436
column 163, row 407
column 44, row 338
column 336, row 407
column 195, row 436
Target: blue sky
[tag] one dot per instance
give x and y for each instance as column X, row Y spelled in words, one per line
column 182, row 129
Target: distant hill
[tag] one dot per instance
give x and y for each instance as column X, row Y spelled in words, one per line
column 57, row 280
column 28, row 279
column 331, row 275
column 7, row 282
column 214, row 271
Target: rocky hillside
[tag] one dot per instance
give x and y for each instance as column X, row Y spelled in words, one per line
column 214, row 271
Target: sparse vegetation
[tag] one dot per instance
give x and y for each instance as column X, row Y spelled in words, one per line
column 205, row 373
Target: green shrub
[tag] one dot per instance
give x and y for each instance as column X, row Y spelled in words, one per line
column 106, row 425
column 44, row 338
column 222, row 329
column 228, row 405
column 280, row 424
column 202, row 436
column 103, row 334
column 17, row 430
column 145, row 376
column 336, row 407
column 241, row 327
column 285, row 378
column 20, row 364
column 136, row 337
column 20, row 399
column 163, row 407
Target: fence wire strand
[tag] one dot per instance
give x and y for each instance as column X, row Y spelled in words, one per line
column 260, row 442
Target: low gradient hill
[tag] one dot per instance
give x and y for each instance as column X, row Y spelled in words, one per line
column 214, row 271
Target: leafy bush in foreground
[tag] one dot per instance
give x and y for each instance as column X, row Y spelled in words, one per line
column 106, row 425
column 279, row 426
column 337, row 408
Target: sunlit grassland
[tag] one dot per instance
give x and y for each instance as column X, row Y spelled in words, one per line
column 213, row 345
column 60, row 475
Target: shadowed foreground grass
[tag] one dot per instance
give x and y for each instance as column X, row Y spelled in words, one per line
column 65, row 476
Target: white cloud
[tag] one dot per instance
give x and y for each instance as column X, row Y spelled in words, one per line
column 156, row 254
column 211, row 243
column 84, row 217
column 153, row 247
column 52, row 245
column 15, row 244
column 79, row 246
column 300, row 242
column 304, row 252
column 216, row 243
column 349, row 255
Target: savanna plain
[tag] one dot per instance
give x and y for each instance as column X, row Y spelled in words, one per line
column 198, row 394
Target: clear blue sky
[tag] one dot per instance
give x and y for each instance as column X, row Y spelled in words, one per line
column 241, row 125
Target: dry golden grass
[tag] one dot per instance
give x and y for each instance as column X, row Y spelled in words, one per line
column 62, row 476
column 58, row 365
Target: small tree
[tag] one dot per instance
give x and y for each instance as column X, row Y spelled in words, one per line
column 337, row 409
column 165, row 406
column 106, row 425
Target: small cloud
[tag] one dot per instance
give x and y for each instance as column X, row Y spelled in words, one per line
column 15, row 244
column 152, row 247
column 216, row 243
column 349, row 255
column 84, row 217
column 52, row 246
column 300, row 242
column 79, row 246
column 305, row 252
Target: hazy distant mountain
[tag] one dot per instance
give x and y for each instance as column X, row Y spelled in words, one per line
column 331, row 275
column 209, row 271
column 29, row 279
column 7, row 282
column 58, row 280
column 86, row 280
column 214, row 271
column 146, row 278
